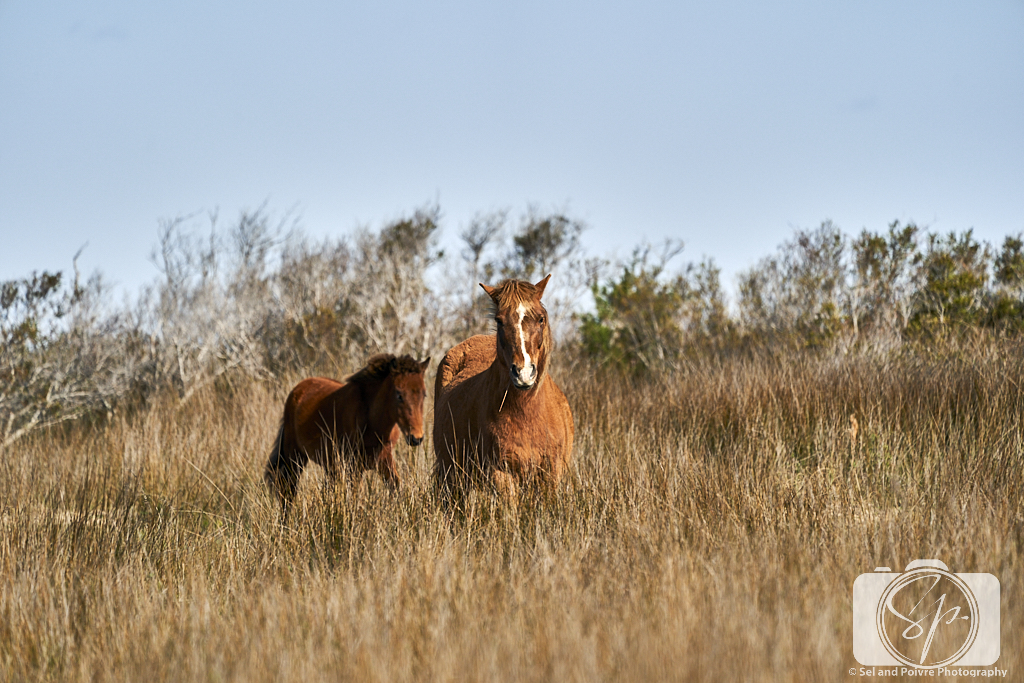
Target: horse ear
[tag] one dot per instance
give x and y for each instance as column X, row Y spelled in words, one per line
column 424, row 364
column 541, row 285
column 490, row 290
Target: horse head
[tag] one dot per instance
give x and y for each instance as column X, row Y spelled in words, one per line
column 523, row 335
column 407, row 378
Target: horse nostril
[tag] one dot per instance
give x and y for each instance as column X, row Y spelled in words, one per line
column 521, row 379
column 414, row 440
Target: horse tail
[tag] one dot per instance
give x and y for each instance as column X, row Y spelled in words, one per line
column 274, row 463
column 287, row 460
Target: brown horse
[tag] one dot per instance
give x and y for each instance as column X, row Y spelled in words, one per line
column 354, row 425
column 497, row 414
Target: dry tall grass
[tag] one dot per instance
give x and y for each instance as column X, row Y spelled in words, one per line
column 711, row 529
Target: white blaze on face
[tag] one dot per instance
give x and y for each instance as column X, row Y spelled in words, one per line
column 527, row 372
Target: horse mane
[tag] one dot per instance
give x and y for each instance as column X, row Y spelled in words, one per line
column 383, row 364
column 511, row 293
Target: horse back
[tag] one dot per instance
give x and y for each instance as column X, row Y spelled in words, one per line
column 460, row 407
column 319, row 407
column 467, row 359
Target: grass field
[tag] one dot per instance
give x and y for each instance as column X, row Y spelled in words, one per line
column 711, row 529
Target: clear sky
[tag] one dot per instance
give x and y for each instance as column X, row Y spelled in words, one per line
column 726, row 124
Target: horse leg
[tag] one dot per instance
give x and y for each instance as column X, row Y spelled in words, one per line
column 505, row 484
column 388, row 470
column 284, row 469
column 355, row 478
column 445, row 475
column 342, row 478
column 349, row 471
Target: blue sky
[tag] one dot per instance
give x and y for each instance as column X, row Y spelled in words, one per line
column 724, row 124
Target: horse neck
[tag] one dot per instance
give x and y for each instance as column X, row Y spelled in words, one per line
column 376, row 394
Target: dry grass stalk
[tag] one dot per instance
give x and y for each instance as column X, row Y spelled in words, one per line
column 711, row 530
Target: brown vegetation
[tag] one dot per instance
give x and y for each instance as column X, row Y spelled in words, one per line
column 711, row 529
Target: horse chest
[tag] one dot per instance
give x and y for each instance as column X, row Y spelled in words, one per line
column 523, row 438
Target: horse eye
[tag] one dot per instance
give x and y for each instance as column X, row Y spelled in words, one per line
column 540, row 320
column 398, row 395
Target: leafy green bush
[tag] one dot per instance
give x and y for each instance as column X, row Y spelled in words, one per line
column 952, row 274
column 647, row 319
column 1006, row 304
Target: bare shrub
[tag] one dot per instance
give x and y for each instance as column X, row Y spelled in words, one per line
column 308, row 325
column 481, row 238
column 540, row 244
column 61, row 355
column 547, row 243
column 261, row 300
column 884, row 280
column 802, row 289
column 388, row 304
column 213, row 304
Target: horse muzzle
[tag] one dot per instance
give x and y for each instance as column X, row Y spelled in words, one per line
column 413, row 440
column 523, row 378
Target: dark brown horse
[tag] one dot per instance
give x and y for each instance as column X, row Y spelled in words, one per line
column 497, row 413
column 352, row 425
